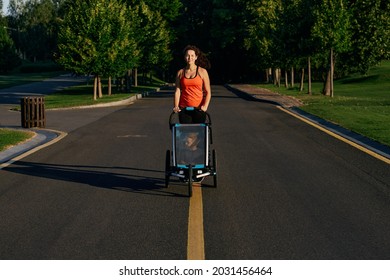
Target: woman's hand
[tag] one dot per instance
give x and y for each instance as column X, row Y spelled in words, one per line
column 176, row 109
column 203, row 108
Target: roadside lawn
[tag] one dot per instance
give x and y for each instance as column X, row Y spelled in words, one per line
column 360, row 103
column 12, row 137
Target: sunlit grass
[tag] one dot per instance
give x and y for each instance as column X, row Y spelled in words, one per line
column 11, row 137
column 360, row 103
column 82, row 95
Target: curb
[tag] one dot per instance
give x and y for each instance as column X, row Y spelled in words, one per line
column 41, row 139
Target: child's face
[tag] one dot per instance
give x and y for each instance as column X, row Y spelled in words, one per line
column 190, row 140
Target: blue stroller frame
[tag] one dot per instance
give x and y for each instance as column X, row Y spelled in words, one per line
column 190, row 159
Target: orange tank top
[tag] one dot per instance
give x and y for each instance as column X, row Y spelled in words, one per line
column 191, row 91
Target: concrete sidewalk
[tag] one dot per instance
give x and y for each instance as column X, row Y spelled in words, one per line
column 266, row 95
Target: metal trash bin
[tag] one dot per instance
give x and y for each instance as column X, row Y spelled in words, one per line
column 33, row 111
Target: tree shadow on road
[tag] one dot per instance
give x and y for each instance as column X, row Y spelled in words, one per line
column 127, row 179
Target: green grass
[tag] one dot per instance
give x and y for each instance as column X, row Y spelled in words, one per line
column 79, row 96
column 82, row 95
column 360, row 103
column 10, row 137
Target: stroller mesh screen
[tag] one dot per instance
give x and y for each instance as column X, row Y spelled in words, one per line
column 190, row 144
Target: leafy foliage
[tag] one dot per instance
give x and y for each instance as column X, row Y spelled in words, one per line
column 155, row 38
column 370, row 35
column 98, row 38
column 241, row 37
column 35, row 27
column 8, row 57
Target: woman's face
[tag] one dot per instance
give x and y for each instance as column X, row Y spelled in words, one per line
column 190, row 57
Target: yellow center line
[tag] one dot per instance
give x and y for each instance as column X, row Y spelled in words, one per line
column 345, row 140
column 195, row 242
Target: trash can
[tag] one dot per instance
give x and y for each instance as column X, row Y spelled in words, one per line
column 33, row 111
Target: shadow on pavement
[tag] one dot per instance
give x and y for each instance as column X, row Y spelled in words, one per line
column 125, row 179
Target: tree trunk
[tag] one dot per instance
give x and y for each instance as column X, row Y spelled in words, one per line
column 326, row 88
column 302, row 79
column 128, row 80
column 266, row 76
column 277, row 74
column 292, row 77
column 331, row 72
column 95, row 87
column 286, row 78
column 328, row 85
column 136, row 77
column 100, row 87
column 109, row 86
column 309, row 75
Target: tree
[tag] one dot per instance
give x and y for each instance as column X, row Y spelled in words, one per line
column 8, row 57
column 193, row 24
column 191, row 27
column 332, row 33
column 36, row 25
column 262, row 36
column 154, row 40
column 251, row 41
column 98, row 37
column 295, row 29
column 169, row 10
column 370, row 35
column 156, row 19
column 229, row 51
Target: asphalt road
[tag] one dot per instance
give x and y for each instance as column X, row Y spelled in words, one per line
column 286, row 191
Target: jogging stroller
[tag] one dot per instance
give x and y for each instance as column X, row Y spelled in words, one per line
column 191, row 159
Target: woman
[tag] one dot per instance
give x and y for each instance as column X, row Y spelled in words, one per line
column 192, row 87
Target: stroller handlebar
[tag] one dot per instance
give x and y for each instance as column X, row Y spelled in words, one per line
column 174, row 114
